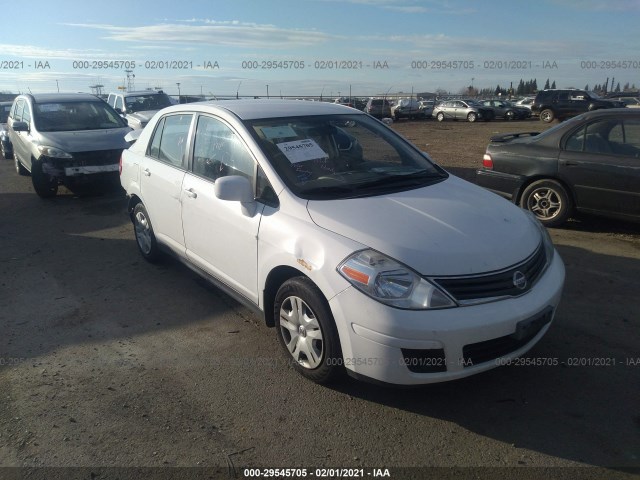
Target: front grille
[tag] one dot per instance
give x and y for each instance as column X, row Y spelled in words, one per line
column 469, row 289
column 481, row 352
column 95, row 158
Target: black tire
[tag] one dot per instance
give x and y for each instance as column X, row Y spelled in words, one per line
column 549, row 201
column 510, row 115
column 7, row 156
column 20, row 170
column 440, row 117
column 143, row 231
column 43, row 184
column 472, row 117
column 323, row 362
column 547, row 115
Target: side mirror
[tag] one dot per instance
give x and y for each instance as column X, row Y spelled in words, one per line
column 20, row 126
column 235, row 188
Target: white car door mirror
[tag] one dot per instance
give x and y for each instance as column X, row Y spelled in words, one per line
column 235, row 188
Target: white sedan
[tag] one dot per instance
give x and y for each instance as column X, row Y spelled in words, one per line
column 363, row 254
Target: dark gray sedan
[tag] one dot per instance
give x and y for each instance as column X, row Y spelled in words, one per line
column 468, row 110
column 507, row 110
column 590, row 163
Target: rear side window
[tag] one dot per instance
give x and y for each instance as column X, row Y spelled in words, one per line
column 169, row 141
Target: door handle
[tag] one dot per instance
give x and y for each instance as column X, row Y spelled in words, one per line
column 190, row 193
column 146, row 172
column 570, row 163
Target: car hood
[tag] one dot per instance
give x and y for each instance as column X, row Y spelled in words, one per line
column 450, row 228
column 142, row 117
column 86, row 140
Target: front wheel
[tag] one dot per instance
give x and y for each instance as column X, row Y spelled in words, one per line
column 20, row 170
column 145, row 238
column 510, row 115
column 440, row 117
column 44, row 185
column 549, row 201
column 5, row 154
column 306, row 330
column 472, row 117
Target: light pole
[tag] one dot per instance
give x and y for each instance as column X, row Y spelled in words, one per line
column 238, row 90
column 179, row 96
column 267, row 91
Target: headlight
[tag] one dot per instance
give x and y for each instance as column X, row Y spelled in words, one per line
column 53, row 152
column 546, row 238
column 391, row 283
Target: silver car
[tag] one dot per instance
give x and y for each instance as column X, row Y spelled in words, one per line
column 71, row 139
column 468, row 110
column 138, row 107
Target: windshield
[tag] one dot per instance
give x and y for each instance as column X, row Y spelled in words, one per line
column 71, row 116
column 563, row 125
column 152, row 101
column 342, row 156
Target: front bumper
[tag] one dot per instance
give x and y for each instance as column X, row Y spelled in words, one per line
column 417, row 347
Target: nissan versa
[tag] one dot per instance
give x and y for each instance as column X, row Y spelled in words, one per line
column 360, row 251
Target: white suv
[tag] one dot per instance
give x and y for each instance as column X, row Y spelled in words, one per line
column 363, row 253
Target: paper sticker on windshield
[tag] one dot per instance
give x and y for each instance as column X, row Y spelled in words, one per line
column 49, row 107
column 282, row 131
column 302, row 150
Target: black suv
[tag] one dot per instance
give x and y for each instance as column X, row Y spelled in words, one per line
column 561, row 104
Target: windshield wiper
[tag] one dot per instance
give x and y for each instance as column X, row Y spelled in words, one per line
column 413, row 178
column 328, row 189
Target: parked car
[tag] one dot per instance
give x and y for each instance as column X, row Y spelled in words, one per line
column 469, row 110
column 629, row 102
column 408, row 108
column 378, row 107
column 70, row 139
column 5, row 143
column 427, row 107
column 525, row 102
column 589, row 164
column 360, row 251
column 138, row 107
column 562, row 104
column 507, row 110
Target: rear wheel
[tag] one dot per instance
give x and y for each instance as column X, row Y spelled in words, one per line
column 5, row 154
column 143, row 231
column 440, row 117
column 306, row 330
column 44, row 185
column 549, row 201
column 547, row 115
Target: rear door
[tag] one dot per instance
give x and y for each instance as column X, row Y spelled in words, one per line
column 161, row 175
column 602, row 162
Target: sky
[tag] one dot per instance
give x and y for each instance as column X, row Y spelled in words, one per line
column 316, row 47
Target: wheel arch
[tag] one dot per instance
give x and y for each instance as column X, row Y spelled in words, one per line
column 131, row 204
column 276, row 277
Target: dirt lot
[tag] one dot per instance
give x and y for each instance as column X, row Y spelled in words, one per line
column 109, row 362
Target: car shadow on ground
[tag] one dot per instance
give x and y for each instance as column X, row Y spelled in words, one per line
column 580, row 402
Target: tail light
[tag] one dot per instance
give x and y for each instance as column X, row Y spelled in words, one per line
column 487, row 161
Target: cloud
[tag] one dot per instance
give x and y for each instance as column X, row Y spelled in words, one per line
column 229, row 34
column 42, row 53
column 602, row 6
column 412, row 6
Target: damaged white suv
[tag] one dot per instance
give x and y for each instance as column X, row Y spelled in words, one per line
column 364, row 254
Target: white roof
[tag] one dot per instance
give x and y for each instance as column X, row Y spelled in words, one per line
column 266, row 108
